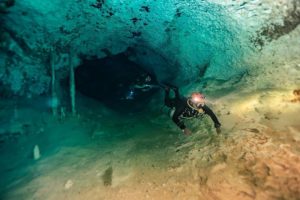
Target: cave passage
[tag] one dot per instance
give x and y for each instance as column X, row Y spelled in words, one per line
column 117, row 82
column 114, row 138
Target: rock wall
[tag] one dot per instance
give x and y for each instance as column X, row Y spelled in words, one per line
column 178, row 40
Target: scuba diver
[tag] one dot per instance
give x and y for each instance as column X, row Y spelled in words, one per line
column 144, row 83
column 185, row 108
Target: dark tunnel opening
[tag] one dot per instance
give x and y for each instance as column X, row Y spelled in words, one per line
column 117, row 82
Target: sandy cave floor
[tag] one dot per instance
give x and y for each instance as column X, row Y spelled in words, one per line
column 257, row 156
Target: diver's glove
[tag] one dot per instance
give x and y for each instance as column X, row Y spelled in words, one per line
column 187, row 131
column 218, row 128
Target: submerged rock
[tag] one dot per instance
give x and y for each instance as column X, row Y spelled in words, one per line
column 69, row 184
column 36, row 152
column 107, row 176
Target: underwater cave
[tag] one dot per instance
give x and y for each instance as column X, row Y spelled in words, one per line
column 162, row 99
column 117, row 82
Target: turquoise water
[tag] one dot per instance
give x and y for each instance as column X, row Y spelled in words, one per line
column 243, row 55
column 92, row 141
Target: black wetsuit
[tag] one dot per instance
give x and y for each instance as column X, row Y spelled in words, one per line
column 183, row 110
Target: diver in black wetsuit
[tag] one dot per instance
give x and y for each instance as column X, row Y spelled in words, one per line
column 192, row 107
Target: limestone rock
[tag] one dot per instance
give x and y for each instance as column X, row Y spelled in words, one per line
column 69, row 184
column 36, row 152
